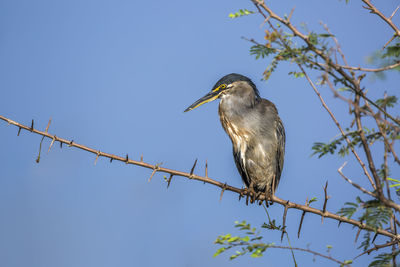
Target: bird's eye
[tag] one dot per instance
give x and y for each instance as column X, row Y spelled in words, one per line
column 223, row 86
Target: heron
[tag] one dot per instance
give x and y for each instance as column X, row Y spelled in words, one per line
column 255, row 129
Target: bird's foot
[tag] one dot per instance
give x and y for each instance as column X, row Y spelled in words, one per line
column 268, row 197
column 250, row 195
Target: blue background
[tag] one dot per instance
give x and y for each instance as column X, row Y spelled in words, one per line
column 116, row 76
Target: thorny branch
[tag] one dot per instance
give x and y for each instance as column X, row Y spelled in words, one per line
column 275, row 199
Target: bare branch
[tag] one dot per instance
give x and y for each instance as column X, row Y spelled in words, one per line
column 362, row 189
column 312, row 252
column 377, row 247
column 395, row 65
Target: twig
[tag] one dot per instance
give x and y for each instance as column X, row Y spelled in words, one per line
column 312, row 252
column 377, row 247
column 395, row 65
column 362, row 189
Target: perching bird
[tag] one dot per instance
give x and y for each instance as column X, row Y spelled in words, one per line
column 255, row 129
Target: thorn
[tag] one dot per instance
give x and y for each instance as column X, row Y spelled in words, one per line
column 155, row 169
column 52, row 142
column 194, row 166
column 357, row 235
column 394, row 12
column 291, row 13
column 284, row 220
column 141, row 158
column 70, row 143
column 325, row 202
column 206, row 169
column 40, row 149
column 31, row 128
column 265, row 21
column 222, row 192
column 373, row 239
column 169, row 180
column 152, row 174
column 301, row 223
column 111, row 160
column 61, row 143
column 339, row 223
column 97, row 157
column 48, row 125
column 388, row 42
column 19, row 131
column 126, row 159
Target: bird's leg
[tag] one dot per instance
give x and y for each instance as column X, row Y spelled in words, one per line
column 252, row 193
column 269, row 192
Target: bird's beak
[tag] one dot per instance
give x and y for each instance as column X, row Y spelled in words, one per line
column 207, row 98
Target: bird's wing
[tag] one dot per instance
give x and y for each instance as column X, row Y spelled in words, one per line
column 280, row 152
column 240, row 165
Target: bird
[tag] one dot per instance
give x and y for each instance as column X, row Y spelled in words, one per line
column 255, row 129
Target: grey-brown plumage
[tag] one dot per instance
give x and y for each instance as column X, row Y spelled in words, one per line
column 255, row 129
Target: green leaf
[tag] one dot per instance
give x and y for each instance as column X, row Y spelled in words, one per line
column 312, row 200
column 219, row 251
column 261, row 51
column 392, row 51
column 240, row 13
column 233, row 239
column 325, row 35
column 245, row 239
column 313, row 38
column 393, row 180
column 388, row 101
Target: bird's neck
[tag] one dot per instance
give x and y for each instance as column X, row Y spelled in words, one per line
column 237, row 106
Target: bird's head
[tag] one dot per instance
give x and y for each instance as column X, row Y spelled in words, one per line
column 230, row 85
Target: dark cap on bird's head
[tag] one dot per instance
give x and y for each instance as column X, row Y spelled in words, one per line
column 222, row 85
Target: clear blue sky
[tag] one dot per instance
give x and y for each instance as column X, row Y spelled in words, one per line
column 116, row 76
